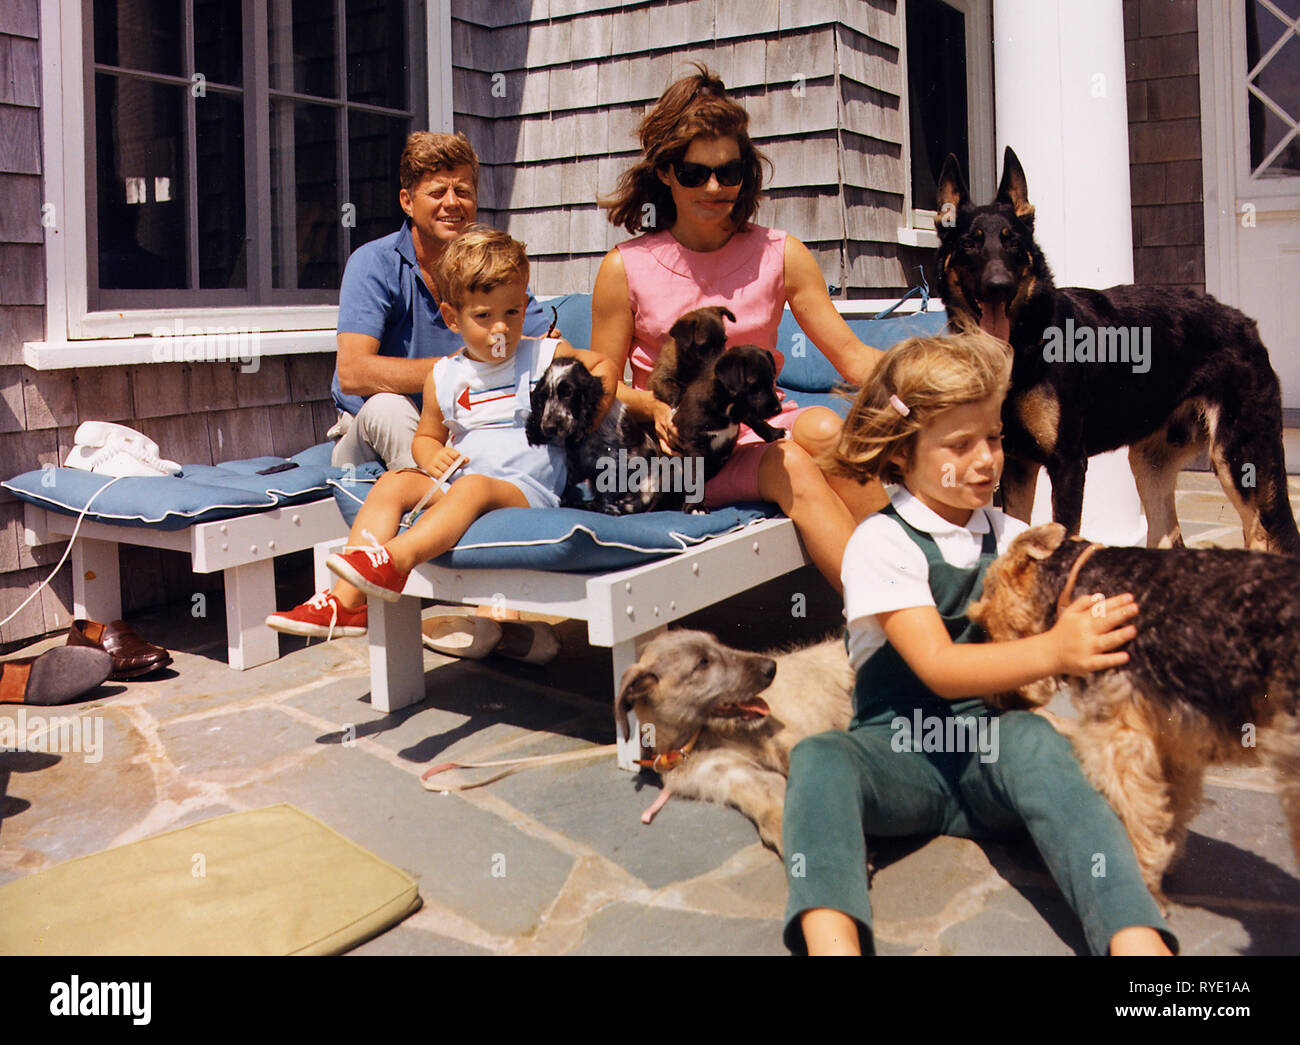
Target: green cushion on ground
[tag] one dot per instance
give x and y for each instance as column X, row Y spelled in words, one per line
column 266, row 881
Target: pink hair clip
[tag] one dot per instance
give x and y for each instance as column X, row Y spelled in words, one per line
column 899, row 405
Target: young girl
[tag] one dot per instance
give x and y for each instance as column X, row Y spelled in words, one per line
column 929, row 419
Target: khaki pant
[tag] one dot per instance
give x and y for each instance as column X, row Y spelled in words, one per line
column 382, row 430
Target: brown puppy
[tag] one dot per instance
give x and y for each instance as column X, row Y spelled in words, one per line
column 1213, row 675
column 714, row 738
column 738, row 389
column 693, row 345
column 714, row 391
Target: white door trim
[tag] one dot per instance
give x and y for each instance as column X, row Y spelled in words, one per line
column 1218, row 154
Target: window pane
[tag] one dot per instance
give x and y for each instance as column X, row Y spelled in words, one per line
column 142, row 181
column 139, row 34
column 303, row 47
column 1270, row 25
column 374, row 147
column 377, row 44
column 219, row 141
column 1280, row 80
column 936, row 83
column 1267, row 129
column 219, row 40
column 305, row 204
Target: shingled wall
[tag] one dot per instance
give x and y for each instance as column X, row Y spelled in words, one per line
column 550, row 94
column 1164, row 126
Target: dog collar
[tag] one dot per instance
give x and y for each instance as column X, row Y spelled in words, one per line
column 662, row 763
column 1067, row 592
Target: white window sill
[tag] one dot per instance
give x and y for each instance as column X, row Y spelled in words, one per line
column 918, row 238
column 139, row 322
column 242, row 348
column 209, row 348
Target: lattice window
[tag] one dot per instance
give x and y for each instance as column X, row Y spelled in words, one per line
column 1273, row 86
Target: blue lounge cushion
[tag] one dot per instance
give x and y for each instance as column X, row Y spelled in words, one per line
column 201, row 493
column 807, row 370
column 317, row 456
column 573, row 316
column 840, row 402
column 569, row 540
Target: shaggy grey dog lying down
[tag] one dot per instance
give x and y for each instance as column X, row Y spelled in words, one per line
column 718, row 724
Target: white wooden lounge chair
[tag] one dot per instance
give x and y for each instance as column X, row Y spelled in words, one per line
column 234, row 518
column 243, row 548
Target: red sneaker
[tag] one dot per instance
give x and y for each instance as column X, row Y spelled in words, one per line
column 371, row 569
column 320, row 616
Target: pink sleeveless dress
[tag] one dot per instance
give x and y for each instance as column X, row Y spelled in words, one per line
column 747, row 276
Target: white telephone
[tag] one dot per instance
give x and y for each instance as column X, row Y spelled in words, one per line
column 113, row 449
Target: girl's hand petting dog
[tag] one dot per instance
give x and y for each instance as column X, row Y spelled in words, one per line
column 1088, row 634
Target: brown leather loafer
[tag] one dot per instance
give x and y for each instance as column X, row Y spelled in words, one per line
column 132, row 655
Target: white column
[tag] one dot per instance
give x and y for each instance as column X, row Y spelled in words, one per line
column 1061, row 103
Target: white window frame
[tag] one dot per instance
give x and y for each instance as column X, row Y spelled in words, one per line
column 1226, row 176
column 78, row 337
column 919, row 230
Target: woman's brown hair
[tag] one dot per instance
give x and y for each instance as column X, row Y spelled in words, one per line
column 693, row 107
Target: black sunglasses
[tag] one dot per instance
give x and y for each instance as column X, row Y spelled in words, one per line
column 693, row 175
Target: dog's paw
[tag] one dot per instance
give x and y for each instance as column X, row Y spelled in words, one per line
column 769, row 830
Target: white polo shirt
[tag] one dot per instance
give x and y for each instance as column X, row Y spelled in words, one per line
column 885, row 570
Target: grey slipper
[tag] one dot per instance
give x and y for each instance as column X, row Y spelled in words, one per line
column 470, row 637
column 532, row 641
column 57, row 676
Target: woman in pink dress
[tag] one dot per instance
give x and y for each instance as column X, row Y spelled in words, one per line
column 698, row 184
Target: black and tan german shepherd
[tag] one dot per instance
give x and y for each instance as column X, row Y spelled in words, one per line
column 1164, row 372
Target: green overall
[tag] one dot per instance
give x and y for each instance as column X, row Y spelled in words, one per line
column 970, row 772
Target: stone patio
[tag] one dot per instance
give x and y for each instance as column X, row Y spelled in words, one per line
column 555, row 860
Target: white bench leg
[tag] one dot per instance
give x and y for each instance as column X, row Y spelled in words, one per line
column 396, row 654
column 321, row 574
column 625, row 654
column 96, row 581
column 250, row 597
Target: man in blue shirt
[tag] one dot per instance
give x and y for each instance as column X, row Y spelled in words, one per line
column 390, row 328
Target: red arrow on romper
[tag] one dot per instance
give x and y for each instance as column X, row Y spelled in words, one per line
column 463, row 400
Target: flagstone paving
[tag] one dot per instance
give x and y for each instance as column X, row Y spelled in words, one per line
column 555, row 860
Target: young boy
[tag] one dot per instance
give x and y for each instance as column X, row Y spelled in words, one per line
column 476, row 403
